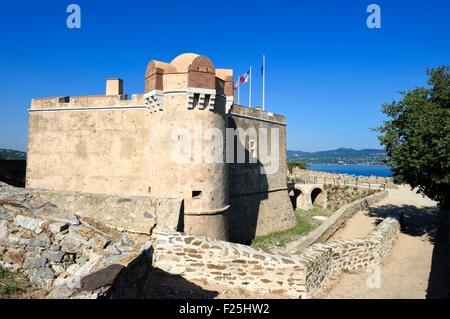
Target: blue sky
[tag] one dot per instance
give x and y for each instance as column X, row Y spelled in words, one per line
column 326, row 71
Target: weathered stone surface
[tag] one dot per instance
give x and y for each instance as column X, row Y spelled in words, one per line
column 54, row 257
column 42, row 240
column 126, row 240
column 34, row 262
column 101, row 278
column 6, row 216
column 14, row 256
column 55, row 248
column 72, row 269
column 60, row 292
column 70, row 245
column 3, row 229
column 73, row 281
column 58, row 268
column 27, row 222
column 98, row 241
column 118, row 212
column 42, row 277
column 167, row 215
column 58, row 227
column 113, row 250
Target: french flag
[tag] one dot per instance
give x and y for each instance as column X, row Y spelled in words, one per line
column 242, row 79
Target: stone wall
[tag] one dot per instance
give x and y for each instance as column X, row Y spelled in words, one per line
column 337, row 220
column 228, row 264
column 339, row 179
column 295, row 276
column 324, row 261
column 259, row 197
column 260, row 214
column 137, row 214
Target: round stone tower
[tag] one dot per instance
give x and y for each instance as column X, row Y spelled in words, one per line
column 189, row 100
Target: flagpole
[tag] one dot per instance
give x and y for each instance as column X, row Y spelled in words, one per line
column 264, row 82
column 238, row 102
column 250, row 89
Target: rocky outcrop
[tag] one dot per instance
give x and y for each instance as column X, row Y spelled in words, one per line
column 59, row 251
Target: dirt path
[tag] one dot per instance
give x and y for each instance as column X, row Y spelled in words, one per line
column 417, row 266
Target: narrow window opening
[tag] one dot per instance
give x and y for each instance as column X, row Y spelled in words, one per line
column 196, row 99
column 252, row 148
column 196, row 194
column 207, row 97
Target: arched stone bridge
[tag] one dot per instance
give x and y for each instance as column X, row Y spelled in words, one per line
column 304, row 196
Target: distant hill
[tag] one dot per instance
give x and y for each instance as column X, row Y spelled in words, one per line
column 339, row 156
column 6, row 154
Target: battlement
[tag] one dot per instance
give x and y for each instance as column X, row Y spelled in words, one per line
column 89, row 101
column 257, row 114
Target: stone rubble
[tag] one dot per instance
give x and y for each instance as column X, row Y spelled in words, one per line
column 53, row 248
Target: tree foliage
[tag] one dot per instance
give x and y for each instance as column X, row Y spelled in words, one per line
column 416, row 136
column 292, row 164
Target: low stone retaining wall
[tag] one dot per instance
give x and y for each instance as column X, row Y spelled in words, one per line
column 324, row 261
column 295, row 276
column 337, row 220
column 234, row 265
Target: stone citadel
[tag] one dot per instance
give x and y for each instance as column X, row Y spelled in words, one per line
column 119, row 144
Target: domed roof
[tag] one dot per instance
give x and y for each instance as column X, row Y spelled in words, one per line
column 185, row 60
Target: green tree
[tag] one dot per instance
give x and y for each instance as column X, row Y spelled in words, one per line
column 416, row 136
column 293, row 164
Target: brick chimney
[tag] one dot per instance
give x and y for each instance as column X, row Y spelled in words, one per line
column 114, row 86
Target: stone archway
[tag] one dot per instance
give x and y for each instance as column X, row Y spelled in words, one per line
column 317, row 197
column 297, row 198
column 307, row 195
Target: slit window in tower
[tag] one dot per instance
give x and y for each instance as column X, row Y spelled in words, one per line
column 207, row 97
column 252, row 148
column 196, row 194
column 196, row 99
